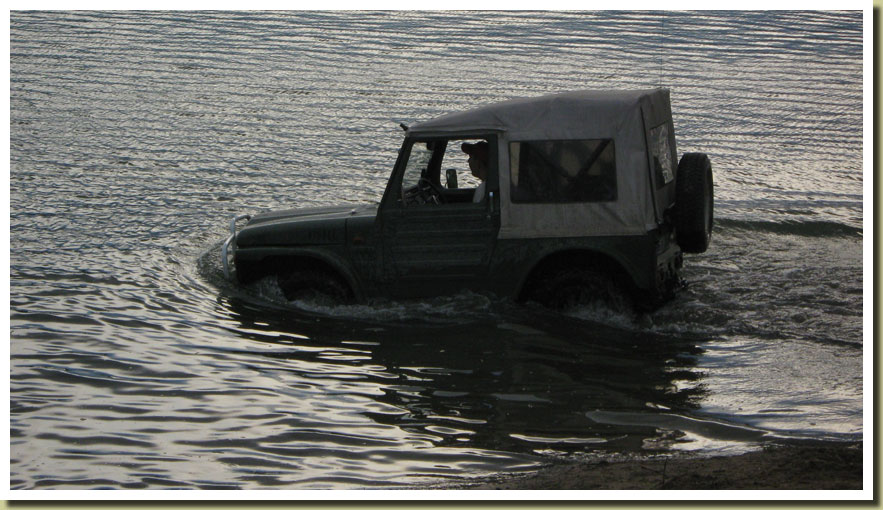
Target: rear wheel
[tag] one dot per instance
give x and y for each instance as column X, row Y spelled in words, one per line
column 319, row 287
column 574, row 287
column 694, row 203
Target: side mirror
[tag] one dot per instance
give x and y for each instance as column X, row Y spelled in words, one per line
column 451, row 178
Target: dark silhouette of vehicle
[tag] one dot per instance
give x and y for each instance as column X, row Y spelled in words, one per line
column 581, row 200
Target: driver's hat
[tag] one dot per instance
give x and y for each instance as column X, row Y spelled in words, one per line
column 477, row 149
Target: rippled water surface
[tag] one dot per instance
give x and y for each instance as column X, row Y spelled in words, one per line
column 135, row 136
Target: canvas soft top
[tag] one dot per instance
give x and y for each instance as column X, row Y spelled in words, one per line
column 629, row 117
column 567, row 115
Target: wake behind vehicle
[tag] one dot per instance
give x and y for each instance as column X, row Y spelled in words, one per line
column 571, row 197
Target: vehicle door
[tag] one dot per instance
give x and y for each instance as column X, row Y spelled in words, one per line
column 438, row 224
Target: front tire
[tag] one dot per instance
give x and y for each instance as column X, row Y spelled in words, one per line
column 317, row 287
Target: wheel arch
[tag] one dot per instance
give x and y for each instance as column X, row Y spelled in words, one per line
column 549, row 263
column 254, row 264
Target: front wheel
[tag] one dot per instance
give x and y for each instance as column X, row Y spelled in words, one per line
column 317, row 287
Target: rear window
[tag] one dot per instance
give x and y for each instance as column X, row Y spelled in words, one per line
column 661, row 150
column 560, row 171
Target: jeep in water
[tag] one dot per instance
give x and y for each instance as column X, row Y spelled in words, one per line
column 572, row 197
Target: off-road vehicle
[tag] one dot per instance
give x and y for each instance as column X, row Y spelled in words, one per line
column 581, row 199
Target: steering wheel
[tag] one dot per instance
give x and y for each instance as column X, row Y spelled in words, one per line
column 429, row 191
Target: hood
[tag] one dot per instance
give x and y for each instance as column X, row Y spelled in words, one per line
column 299, row 227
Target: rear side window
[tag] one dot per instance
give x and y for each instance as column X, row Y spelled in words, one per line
column 560, row 171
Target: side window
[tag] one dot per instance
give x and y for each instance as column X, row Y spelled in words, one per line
column 661, row 151
column 561, row 171
column 446, row 171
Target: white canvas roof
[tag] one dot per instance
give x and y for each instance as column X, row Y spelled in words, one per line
column 626, row 116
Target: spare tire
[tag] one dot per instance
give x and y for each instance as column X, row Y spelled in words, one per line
column 694, row 203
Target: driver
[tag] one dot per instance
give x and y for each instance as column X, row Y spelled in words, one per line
column 478, row 163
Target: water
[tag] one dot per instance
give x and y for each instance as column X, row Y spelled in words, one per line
column 135, row 136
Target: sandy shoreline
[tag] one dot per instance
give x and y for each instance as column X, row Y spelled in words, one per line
column 829, row 467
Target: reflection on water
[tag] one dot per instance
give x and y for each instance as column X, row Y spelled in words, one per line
column 489, row 383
